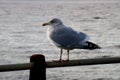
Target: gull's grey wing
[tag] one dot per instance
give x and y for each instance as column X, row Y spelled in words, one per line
column 67, row 37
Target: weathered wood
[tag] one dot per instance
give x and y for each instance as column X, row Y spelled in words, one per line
column 38, row 70
column 53, row 64
column 82, row 62
column 15, row 67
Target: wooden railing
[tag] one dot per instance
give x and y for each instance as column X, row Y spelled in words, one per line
column 38, row 65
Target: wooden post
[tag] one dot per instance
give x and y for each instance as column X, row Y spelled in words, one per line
column 38, row 70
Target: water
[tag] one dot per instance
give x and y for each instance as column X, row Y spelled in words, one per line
column 21, row 35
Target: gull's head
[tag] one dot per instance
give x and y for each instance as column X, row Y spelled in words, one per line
column 53, row 22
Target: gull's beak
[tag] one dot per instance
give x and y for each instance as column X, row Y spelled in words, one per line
column 45, row 24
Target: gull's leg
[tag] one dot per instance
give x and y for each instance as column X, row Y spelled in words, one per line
column 61, row 54
column 68, row 55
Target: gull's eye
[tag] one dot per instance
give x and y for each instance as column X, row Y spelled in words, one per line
column 53, row 21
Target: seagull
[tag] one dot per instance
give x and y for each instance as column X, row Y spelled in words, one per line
column 66, row 38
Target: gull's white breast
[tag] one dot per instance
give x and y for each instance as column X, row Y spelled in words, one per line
column 49, row 32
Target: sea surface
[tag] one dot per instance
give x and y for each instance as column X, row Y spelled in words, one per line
column 22, row 35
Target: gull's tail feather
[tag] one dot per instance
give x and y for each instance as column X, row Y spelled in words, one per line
column 91, row 46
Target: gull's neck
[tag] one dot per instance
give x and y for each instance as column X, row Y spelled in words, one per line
column 54, row 27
